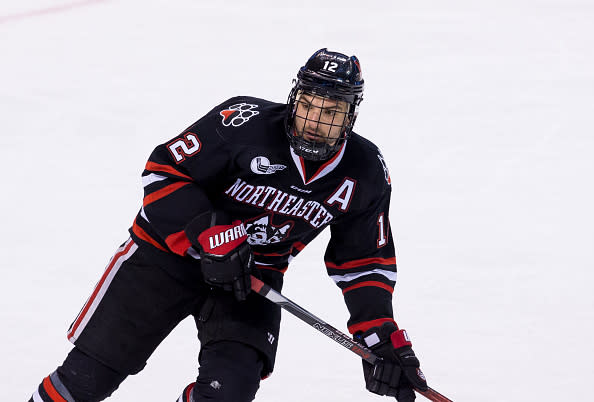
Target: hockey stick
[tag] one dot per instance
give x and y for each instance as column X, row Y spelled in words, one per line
column 266, row 291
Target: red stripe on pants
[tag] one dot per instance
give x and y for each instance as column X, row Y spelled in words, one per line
column 89, row 302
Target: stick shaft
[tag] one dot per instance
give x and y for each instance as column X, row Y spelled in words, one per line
column 266, row 291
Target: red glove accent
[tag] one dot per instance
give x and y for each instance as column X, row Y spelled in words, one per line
column 400, row 338
column 220, row 240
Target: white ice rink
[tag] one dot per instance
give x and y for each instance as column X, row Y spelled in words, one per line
column 484, row 111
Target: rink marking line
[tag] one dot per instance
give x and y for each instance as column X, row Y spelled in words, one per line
column 48, row 10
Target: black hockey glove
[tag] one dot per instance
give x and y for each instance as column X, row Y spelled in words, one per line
column 398, row 372
column 225, row 255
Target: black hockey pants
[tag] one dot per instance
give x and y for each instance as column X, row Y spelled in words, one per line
column 229, row 372
column 134, row 307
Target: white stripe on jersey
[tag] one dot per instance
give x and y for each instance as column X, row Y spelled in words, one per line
column 330, row 167
column 143, row 214
column 391, row 275
column 151, row 178
column 36, row 397
column 110, row 271
column 326, row 169
column 256, row 262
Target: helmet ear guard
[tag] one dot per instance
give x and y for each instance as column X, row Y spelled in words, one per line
column 329, row 75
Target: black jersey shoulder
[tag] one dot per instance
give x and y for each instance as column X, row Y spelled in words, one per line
column 247, row 120
column 364, row 162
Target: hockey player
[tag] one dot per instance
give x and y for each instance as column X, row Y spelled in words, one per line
column 238, row 193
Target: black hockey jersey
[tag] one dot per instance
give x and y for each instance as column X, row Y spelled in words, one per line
column 237, row 159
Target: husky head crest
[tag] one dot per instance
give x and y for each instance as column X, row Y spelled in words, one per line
column 261, row 231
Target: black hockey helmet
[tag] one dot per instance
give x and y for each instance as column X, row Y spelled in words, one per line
column 330, row 75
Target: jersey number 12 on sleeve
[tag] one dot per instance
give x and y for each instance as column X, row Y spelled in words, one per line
column 184, row 147
column 381, row 237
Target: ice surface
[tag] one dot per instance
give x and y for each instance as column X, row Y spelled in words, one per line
column 484, row 111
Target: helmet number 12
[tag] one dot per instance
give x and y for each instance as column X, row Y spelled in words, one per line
column 330, row 66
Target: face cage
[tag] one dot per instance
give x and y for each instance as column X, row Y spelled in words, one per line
column 312, row 150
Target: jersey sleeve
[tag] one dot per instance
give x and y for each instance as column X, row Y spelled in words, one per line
column 360, row 258
column 175, row 180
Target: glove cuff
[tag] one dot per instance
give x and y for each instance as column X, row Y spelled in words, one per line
column 377, row 336
column 400, row 338
column 389, row 332
column 220, row 240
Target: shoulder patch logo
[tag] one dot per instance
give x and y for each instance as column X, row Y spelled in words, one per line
column 261, row 165
column 238, row 114
column 386, row 172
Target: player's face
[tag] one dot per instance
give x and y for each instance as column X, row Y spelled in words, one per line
column 320, row 119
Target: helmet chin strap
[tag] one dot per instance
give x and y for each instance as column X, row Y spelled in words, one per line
column 314, row 151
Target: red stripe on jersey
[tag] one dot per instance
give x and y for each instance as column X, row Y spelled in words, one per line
column 369, row 283
column 89, row 302
column 138, row 231
column 336, row 155
column 299, row 246
column 156, row 167
column 51, row 391
column 302, row 162
column 365, row 325
column 362, row 262
column 164, row 192
column 178, row 243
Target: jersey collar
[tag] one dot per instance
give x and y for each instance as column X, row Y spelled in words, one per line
column 323, row 170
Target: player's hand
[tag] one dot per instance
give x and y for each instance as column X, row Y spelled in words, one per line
column 398, row 372
column 226, row 257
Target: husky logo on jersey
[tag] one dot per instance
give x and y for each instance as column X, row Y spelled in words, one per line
column 261, row 165
column 386, row 172
column 261, row 232
column 236, row 115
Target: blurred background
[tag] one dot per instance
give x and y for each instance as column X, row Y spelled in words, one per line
column 484, row 112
